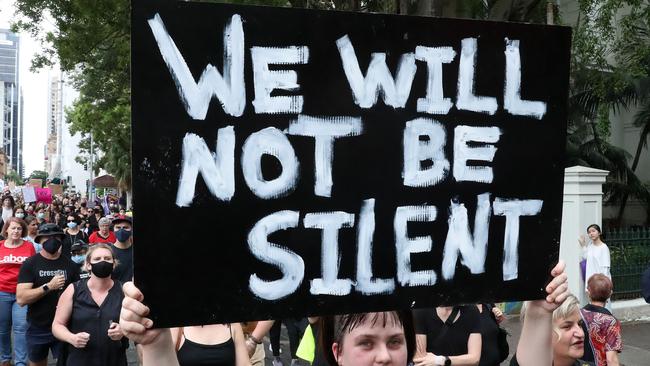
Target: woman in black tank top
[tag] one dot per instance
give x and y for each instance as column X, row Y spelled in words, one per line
column 87, row 314
column 213, row 345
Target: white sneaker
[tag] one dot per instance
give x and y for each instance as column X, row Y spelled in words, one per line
column 277, row 361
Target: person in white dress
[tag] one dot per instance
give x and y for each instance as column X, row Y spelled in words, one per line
column 596, row 253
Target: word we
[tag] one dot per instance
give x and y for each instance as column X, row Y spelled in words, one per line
column 230, row 87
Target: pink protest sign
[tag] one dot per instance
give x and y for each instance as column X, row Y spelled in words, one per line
column 43, row 195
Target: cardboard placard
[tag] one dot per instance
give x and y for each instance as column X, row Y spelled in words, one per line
column 346, row 162
column 36, row 183
column 29, row 194
column 56, row 188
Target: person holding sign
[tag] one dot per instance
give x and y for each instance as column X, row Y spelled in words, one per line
column 358, row 339
column 219, row 344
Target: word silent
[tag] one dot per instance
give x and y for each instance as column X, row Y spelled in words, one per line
column 471, row 248
column 230, row 87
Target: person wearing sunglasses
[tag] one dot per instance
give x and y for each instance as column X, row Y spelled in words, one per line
column 73, row 233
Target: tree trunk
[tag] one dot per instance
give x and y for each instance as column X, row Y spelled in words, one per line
column 424, row 7
column 635, row 163
column 129, row 199
column 403, row 7
column 639, row 148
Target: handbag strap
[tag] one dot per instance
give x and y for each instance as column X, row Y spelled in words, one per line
column 446, row 325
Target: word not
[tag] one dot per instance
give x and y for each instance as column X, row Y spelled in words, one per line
column 470, row 247
column 217, row 168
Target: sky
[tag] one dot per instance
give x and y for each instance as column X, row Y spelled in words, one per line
column 34, row 89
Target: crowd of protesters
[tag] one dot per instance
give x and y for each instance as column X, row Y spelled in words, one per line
column 65, row 290
column 45, row 248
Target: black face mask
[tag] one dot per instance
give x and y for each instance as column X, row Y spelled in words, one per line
column 51, row 245
column 102, row 269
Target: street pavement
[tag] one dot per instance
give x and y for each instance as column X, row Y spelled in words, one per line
column 636, row 344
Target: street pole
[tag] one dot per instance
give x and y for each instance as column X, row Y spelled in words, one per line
column 91, row 186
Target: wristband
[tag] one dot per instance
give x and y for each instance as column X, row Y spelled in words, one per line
column 440, row 360
column 252, row 338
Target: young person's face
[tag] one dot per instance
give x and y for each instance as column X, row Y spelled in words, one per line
column 593, row 233
column 568, row 339
column 373, row 344
column 32, row 227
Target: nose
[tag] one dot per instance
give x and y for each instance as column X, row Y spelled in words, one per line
column 578, row 332
column 382, row 356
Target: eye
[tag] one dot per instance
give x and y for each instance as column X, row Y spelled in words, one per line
column 396, row 342
column 365, row 343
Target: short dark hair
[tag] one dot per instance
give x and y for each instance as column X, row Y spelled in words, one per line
column 600, row 287
column 334, row 328
column 11, row 199
column 595, row 226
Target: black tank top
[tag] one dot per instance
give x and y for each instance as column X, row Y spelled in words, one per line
column 94, row 320
column 196, row 354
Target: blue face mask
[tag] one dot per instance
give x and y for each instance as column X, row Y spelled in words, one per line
column 40, row 215
column 72, row 224
column 123, row 235
column 78, row 258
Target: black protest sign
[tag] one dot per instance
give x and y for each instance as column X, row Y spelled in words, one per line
column 290, row 162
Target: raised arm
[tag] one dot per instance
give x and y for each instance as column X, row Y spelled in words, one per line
column 534, row 348
column 241, row 354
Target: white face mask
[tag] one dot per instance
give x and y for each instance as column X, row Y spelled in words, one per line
column 20, row 215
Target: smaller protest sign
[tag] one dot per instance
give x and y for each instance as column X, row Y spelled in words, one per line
column 12, row 186
column 29, row 194
column 36, row 183
column 56, row 188
column 43, row 195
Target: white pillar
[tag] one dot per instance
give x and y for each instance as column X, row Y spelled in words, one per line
column 583, row 206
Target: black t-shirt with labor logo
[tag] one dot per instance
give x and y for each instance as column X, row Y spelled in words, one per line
column 38, row 271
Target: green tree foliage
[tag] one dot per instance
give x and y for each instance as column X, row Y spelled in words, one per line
column 90, row 41
column 13, row 176
column 38, row 174
column 610, row 73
